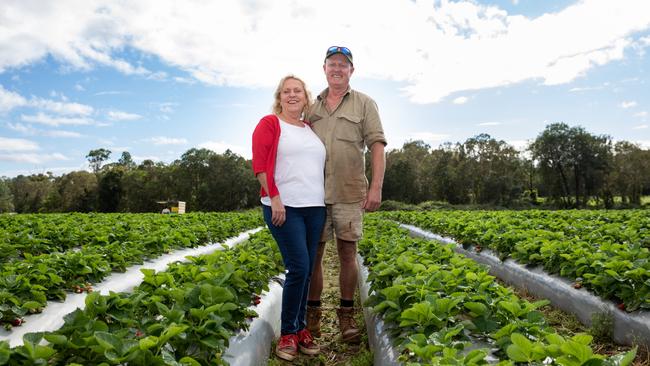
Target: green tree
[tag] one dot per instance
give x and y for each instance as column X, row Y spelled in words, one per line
column 403, row 179
column 78, row 192
column 6, row 197
column 631, row 171
column 191, row 176
column 30, row 192
column 497, row 174
column 126, row 160
column 110, row 189
column 571, row 154
column 97, row 157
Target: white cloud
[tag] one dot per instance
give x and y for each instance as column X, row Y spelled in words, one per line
column 167, row 107
column 438, row 47
column 221, row 147
column 32, row 158
column 50, row 120
column 61, row 133
column 627, row 104
column 489, row 124
column 641, row 114
column 640, row 127
column 460, row 100
column 429, row 137
column 79, row 87
column 123, row 116
column 10, row 100
column 586, row 88
column 11, row 144
column 61, row 108
column 161, row 140
column 31, row 131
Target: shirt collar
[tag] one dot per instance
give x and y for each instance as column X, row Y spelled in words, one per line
column 324, row 93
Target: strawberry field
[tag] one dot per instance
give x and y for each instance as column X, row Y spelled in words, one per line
column 607, row 252
column 439, row 307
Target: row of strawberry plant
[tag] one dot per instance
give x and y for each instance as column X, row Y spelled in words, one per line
column 611, row 258
column 182, row 316
column 438, row 303
column 26, row 285
column 23, row 236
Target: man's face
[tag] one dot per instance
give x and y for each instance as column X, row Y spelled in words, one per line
column 338, row 70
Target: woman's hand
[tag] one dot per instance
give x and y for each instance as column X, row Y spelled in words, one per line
column 278, row 213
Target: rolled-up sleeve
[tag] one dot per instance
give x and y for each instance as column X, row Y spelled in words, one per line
column 372, row 129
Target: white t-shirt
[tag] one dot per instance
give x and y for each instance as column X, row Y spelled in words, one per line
column 299, row 167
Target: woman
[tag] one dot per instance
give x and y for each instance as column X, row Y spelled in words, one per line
column 289, row 162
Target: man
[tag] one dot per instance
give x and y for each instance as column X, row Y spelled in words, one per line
column 346, row 121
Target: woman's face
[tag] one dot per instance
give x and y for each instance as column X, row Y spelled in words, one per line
column 292, row 96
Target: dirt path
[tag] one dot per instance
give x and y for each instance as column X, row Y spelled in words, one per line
column 333, row 351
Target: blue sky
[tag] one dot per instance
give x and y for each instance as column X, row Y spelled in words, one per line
column 157, row 78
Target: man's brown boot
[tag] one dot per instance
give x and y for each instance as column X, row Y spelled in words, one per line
column 314, row 314
column 349, row 331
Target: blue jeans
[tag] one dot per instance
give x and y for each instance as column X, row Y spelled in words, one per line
column 298, row 241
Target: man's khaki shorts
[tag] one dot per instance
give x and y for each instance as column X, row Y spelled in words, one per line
column 345, row 220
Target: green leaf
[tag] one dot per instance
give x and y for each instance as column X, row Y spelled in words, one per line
column 212, row 342
column 517, row 353
column 476, row 308
column 57, row 339
column 522, row 342
column 512, row 307
column 579, row 351
column 475, row 356
column 170, row 332
column 108, row 341
column 44, row 352
column 189, row 361
column 624, row 359
column 33, row 338
column 5, row 352
column 211, row 295
column 31, row 305
column 582, row 339
column 148, row 342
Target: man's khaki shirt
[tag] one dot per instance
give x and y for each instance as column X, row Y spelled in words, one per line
column 346, row 131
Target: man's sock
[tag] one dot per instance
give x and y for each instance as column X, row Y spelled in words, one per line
column 313, row 303
column 347, row 303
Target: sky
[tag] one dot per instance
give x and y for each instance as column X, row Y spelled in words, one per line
column 159, row 77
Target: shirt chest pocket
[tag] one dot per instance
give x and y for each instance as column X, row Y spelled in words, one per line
column 348, row 128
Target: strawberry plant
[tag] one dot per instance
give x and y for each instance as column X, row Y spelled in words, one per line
column 608, row 250
column 113, row 242
column 438, row 303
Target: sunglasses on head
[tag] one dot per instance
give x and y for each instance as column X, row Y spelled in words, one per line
column 338, row 49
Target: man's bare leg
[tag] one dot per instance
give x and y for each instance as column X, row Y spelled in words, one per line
column 349, row 272
column 316, row 283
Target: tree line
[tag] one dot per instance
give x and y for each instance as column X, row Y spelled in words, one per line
column 568, row 166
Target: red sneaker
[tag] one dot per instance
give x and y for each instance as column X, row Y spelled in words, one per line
column 306, row 343
column 287, row 348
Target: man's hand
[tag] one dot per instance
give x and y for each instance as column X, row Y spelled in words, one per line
column 373, row 199
column 278, row 212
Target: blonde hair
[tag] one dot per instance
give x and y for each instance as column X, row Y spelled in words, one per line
column 277, row 107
